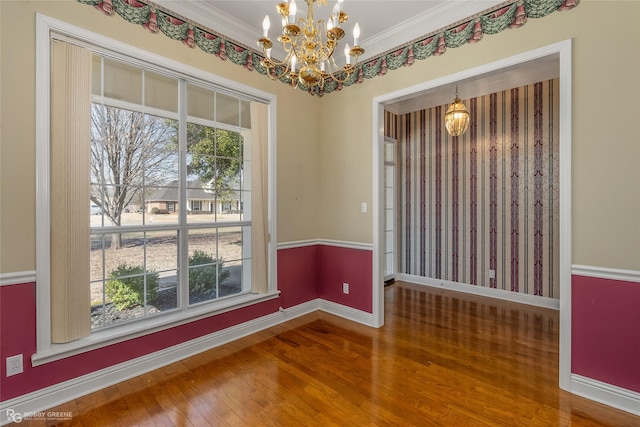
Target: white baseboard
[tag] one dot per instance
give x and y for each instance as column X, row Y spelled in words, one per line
column 616, row 397
column 343, row 311
column 482, row 291
column 43, row 399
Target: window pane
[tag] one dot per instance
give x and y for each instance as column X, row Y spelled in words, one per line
column 115, row 205
column 160, row 92
column 230, row 247
column 96, row 75
column 245, row 117
column 162, row 251
column 162, row 257
column 122, row 81
column 162, row 205
column 389, row 171
column 123, row 248
column 200, row 102
column 162, row 168
column 97, row 218
column 227, row 109
column 205, row 267
column 232, row 206
column 389, row 152
column 96, row 260
column 202, row 202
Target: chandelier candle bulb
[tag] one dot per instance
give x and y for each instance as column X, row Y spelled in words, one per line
column 356, row 34
column 340, row 5
column 346, row 54
column 292, row 12
column 335, row 15
column 266, row 24
column 293, row 63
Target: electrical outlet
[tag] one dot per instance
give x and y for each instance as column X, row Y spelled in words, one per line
column 345, row 288
column 492, row 274
column 14, row 365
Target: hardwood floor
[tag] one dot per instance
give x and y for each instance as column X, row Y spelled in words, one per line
column 442, row 359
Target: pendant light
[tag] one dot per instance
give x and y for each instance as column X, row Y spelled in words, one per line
column 456, row 119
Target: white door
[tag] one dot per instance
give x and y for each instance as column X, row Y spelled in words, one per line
column 389, row 209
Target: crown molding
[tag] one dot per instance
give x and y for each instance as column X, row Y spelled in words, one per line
column 503, row 15
column 440, row 17
column 222, row 23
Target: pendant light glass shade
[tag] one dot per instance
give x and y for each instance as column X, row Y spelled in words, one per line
column 456, row 119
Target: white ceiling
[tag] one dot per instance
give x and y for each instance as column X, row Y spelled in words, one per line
column 384, row 25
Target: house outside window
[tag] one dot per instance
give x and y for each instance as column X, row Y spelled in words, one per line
column 196, row 205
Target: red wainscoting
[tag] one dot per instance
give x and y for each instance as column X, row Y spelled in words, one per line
column 18, row 331
column 606, row 331
column 17, row 335
column 298, row 275
column 304, row 274
column 318, row 271
column 338, row 265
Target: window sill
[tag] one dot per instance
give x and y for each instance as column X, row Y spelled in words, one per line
column 140, row 328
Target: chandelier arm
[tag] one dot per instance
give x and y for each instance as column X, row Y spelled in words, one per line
column 276, row 76
column 327, row 50
column 332, row 63
column 273, row 64
column 346, row 71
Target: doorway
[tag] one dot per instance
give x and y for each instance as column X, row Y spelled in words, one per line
column 486, row 78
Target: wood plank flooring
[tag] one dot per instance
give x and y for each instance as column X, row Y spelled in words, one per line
column 442, row 359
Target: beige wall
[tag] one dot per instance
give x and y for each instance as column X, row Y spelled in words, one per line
column 606, row 152
column 325, row 171
column 297, row 151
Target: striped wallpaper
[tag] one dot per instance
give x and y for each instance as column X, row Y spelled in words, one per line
column 488, row 200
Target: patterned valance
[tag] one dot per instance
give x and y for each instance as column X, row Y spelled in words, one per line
column 511, row 14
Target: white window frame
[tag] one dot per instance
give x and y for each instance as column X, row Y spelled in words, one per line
column 46, row 351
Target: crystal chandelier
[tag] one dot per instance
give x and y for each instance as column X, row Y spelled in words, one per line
column 456, row 119
column 309, row 46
